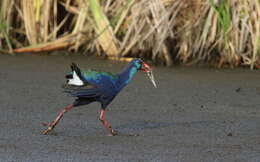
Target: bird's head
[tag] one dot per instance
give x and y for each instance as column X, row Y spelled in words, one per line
column 141, row 65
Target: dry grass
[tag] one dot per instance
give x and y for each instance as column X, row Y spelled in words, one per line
column 223, row 32
column 5, row 24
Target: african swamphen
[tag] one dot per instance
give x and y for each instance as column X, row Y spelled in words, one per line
column 89, row 86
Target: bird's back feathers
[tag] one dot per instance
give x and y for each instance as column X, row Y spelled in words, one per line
column 93, row 85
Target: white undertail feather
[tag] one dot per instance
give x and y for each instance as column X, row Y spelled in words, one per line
column 75, row 80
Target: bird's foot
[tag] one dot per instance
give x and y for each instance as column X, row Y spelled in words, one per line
column 113, row 132
column 49, row 129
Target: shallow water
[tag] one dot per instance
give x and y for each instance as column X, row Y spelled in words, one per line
column 195, row 114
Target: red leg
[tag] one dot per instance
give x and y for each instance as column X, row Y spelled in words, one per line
column 56, row 121
column 106, row 124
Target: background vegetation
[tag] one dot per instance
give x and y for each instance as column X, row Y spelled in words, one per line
column 223, row 32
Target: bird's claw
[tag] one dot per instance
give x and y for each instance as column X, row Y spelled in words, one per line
column 47, row 130
column 50, row 128
column 113, row 132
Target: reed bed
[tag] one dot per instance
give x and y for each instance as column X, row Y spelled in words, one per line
column 222, row 32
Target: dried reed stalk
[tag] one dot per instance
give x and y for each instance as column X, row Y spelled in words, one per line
column 6, row 7
column 103, row 29
column 151, row 25
column 49, row 46
column 225, row 32
column 30, row 21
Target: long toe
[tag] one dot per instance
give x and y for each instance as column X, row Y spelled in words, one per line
column 46, row 124
column 47, row 130
column 113, row 132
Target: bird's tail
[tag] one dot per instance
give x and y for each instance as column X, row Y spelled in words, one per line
column 75, row 68
column 75, row 77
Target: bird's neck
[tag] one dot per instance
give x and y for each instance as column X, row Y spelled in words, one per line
column 126, row 76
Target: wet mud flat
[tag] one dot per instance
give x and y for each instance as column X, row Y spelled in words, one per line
column 195, row 114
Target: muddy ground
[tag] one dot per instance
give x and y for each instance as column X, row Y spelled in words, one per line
column 196, row 114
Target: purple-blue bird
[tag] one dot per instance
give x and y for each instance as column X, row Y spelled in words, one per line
column 90, row 86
